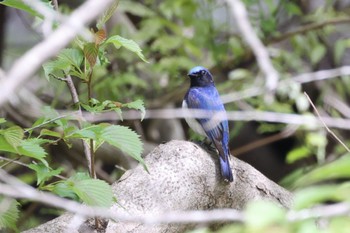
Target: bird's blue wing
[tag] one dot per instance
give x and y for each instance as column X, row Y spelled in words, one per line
column 216, row 130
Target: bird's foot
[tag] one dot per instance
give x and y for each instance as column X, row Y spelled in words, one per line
column 207, row 145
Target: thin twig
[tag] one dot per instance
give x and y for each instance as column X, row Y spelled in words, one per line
column 75, row 98
column 289, row 131
column 24, row 165
column 325, row 125
column 17, row 189
column 307, row 28
column 26, row 66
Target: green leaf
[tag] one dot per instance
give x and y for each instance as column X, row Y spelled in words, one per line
column 29, row 147
column 47, row 132
column 43, row 172
column 333, row 170
column 293, row 9
column 298, row 153
column 119, row 41
column 94, row 192
column 18, row 4
column 73, row 56
column 138, row 105
column 125, row 139
column 89, row 132
column 107, row 14
column 317, row 53
column 32, row 148
column 13, row 135
column 91, row 191
column 2, row 120
column 63, row 189
column 256, row 217
column 315, row 195
column 57, row 68
column 136, row 8
column 9, row 213
column 90, row 52
column 238, row 74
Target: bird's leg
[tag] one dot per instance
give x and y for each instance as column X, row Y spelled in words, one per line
column 206, row 144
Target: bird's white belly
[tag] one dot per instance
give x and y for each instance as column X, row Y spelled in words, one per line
column 193, row 123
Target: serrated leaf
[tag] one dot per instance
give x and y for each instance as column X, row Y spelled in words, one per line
column 29, row 147
column 14, row 135
column 32, row 148
column 125, row 139
column 18, row 4
column 107, row 14
column 56, row 68
column 43, row 172
column 138, row 105
column 100, row 36
column 94, row 192
column 119, row 41
column 73, row 56
column 89, row 132
column 63, row 189
column 90, row 52
column 9, row 213
column 47, row 132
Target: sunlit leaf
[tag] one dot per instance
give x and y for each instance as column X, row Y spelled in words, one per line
column 119, row 41
column 43, row 172
column 107, row 14
column 94, row 192
column 298, row 153
column 14, row 135
column 311, row 196
column 9, row 213
column 20, row 5
column 2, row 120
column 125, row 139
column 32, row 148
column 138, row 105
column 256, row 217
column 333, row 170
column 73, row 56
column 47, row 132
column 136, row 8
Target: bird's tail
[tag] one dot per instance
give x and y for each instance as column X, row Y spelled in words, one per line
column 226, row 171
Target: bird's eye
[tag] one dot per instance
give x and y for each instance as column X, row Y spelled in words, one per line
column 202, row 72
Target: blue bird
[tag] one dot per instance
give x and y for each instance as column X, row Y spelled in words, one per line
column 203, row 95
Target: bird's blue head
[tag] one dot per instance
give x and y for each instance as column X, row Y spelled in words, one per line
column 200, row 77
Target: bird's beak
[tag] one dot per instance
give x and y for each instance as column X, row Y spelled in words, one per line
column 191, row 75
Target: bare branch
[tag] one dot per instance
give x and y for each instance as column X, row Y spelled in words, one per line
column 31, row 61
column 260, row 51
column 322, row 74
column 308, row 27
column 325, row 125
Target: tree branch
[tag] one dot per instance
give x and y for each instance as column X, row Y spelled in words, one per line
column 262, row 56
column 183, row 181
column 308, row 27
column 31, row 61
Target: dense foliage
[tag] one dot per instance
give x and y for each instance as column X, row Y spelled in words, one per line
column 138, row 59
